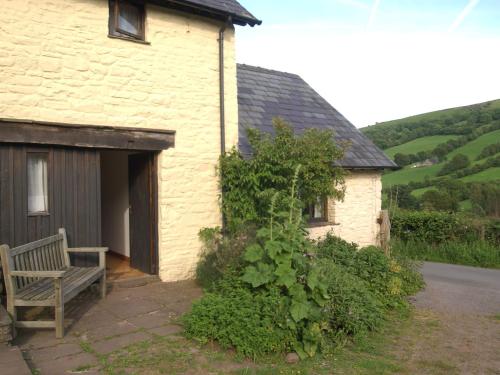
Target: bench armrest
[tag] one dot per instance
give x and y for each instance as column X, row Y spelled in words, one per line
column 87, row 249
column 100, row 250
column 42, row 274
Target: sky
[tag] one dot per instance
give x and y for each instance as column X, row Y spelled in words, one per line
column 378, row 60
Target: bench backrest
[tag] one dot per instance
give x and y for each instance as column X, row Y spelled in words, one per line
column 47, row 254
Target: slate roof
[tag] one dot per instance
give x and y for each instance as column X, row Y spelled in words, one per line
column 265, row 94
column 232, row 8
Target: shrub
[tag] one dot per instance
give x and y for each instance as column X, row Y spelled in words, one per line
column 352, row 308
column 220, row 253
column 475, row 253
column 239, row 318
column 390, row 279
column 458, row 162
column 336, row 249
column 432, row 227
column 248, row 184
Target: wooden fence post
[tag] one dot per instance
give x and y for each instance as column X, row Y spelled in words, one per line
column 385, row 231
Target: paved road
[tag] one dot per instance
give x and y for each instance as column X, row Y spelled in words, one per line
column 460, row 289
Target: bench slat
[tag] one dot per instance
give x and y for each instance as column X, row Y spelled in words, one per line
column 76, row 279
column 34, row 245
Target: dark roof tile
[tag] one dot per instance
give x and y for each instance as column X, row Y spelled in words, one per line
column 264, row 94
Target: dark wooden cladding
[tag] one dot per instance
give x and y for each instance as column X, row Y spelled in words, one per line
column 74, row 197
column 85, row 136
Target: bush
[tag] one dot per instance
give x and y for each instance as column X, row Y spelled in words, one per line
column 458, row 162
column 432, row 227
column 390, row 279
column 352, row 308
column 474, row 253
column 336, row 249
column 238, row 318
column 220, row 253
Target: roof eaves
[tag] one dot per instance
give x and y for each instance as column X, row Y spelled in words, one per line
column 187, row 5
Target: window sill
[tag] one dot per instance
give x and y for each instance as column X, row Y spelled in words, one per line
column 129, row 39
column 35, row 214
column 317, row 224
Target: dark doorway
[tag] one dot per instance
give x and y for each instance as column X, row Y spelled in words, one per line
column 129, row 219
column 143, row 212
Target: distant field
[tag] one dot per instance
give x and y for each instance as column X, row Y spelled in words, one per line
column 419, row 144
column 474, row 148
column 419, row 192
column 408, row 174
column 490, row 174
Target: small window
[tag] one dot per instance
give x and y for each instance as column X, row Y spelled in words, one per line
column 127, row 19
column 318, row 212
column 38, row 197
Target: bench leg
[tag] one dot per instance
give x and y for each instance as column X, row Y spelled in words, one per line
column 11, row 309
column 59, row 308
column 102, row 285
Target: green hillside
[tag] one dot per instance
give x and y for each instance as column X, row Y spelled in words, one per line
column 442, row 138
column 419, row 144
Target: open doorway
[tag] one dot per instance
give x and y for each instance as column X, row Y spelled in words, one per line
column 128, row 209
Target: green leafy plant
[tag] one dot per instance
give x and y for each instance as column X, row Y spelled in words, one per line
column 249, row 184
column 279, row 259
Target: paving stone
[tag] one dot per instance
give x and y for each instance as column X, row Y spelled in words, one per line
column 108, row 346
column 66, row 365
column 151, row 320
column 12, row 361
column 54, row 352
column 115, row 329
column 134, row 307
column 40, row 338
column 171, row 329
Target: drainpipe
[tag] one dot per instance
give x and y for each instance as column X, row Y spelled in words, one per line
column 222, row 102
column 221, row 87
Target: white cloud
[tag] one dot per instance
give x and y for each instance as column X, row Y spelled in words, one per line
column 373, row 14
column 461, row 17
column 372, row 77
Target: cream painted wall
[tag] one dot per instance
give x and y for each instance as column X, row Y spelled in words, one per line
column 58, row 64
column 115, row 202
column 356, row 216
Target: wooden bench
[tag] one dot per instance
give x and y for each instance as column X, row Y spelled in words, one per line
column 40, row 274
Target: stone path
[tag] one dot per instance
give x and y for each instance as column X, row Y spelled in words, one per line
column 126, row 316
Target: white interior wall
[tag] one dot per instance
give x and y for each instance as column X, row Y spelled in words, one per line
column 115, row 201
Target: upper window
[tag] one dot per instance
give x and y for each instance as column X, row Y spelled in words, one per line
column 127, row 19
column 318, row 212
column 38, row 197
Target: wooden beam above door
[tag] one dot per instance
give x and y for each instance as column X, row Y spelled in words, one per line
column 91, row 136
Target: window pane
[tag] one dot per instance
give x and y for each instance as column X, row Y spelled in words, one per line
column 129, row 16
column 319, row 209
column 37, row 183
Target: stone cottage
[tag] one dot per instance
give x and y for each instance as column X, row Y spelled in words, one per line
column 113, row 114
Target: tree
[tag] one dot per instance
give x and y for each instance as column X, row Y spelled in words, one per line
column 458, row 162
column 249, row 184
column 435, row 200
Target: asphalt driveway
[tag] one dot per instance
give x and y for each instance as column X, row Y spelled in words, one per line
column 460, row 289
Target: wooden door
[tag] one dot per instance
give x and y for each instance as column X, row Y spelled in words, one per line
column 143, row 217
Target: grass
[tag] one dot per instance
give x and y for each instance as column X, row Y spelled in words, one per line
column 477, row 253
column 471, row 149
column 408, row 174
column 490, row 174
column 419, row 144
column 474, row 148
column 376, row 353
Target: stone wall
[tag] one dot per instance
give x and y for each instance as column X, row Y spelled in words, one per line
column 356, row 216
column 58, row 64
